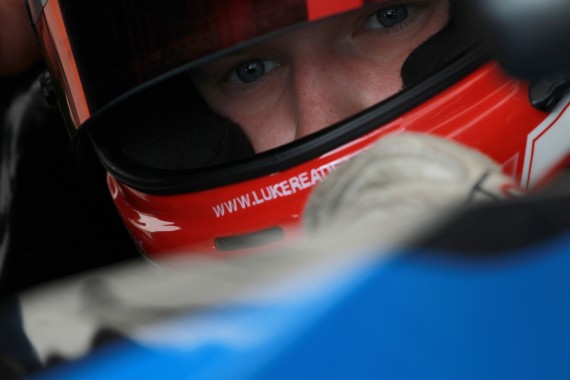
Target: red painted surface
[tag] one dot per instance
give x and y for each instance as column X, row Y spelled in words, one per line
column 322, row 8
column 486, row 110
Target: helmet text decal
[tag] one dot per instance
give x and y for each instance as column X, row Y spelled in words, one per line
column 285, row 188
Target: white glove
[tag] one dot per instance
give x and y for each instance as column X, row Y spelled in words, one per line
column 400, row 187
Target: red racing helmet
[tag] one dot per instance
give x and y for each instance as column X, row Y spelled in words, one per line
column 184, row 174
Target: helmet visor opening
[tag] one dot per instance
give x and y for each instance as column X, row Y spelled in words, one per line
column 259, row 97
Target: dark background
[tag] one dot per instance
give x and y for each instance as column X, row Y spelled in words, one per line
column 56, row 216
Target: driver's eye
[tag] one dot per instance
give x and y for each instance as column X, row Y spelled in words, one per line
column 388, row 17
column 252, row 70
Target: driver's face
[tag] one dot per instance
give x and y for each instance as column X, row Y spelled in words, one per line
column 298, row 83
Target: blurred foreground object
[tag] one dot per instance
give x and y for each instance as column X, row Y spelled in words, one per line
column 418, row 313
column 401, row 186
column 531, row 38
column 429, row 313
